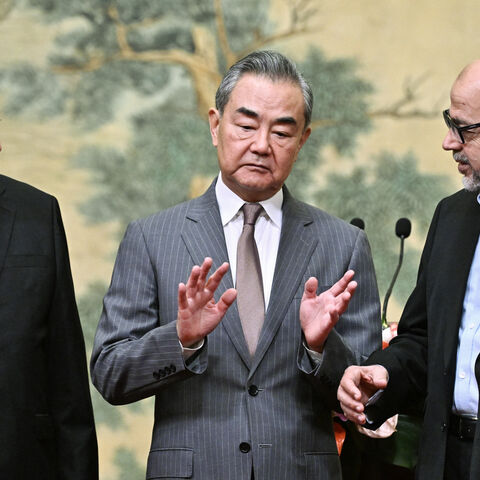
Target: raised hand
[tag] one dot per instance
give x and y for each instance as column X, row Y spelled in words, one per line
column 357, row 387
column 320, row 313
column 198, row 314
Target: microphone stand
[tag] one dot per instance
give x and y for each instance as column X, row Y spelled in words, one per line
column 394, row 279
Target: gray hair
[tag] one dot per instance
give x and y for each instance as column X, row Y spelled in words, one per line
column 266, row 63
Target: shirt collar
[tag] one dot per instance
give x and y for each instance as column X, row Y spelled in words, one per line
column 230, row 203
column 478, row 198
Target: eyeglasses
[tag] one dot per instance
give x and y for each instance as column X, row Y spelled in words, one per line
column 457, row 130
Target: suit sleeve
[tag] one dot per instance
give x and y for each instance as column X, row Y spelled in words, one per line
column 406, row 357
column 134, row 355
column 69, row 393
column 357, row 333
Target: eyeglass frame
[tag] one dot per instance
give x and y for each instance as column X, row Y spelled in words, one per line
column 456, row 128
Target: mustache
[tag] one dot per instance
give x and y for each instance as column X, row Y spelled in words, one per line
column 461, row 157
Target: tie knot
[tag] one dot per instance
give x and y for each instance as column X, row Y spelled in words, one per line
column 251, row 211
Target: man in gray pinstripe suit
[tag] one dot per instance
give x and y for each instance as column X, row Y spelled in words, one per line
column 222, row 412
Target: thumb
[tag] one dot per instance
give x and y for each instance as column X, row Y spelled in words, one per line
column 310, row 289
column 376, row 376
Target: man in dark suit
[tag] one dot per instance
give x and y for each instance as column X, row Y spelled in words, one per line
column 47, row 430
column 236, row 398
column 435, row 354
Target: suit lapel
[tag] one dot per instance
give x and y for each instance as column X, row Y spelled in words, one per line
column 7, row 216
column 204, row 237
column 463, row 237
column 294, row 252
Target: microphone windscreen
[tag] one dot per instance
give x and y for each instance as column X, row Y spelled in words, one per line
column 403, row 227
column 358, row 222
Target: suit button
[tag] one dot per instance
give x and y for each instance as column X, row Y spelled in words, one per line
column 172, row 368
column 443, row 427
column 244, row 447
column 253, row 390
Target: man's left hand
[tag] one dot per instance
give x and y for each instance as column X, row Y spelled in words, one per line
column 320, row 313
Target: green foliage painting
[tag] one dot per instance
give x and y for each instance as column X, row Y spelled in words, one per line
column 155, row 65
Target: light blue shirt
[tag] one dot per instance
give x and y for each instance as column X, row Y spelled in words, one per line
column 466, row 389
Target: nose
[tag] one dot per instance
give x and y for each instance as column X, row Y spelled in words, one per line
column 260, row 144
column 451, row 142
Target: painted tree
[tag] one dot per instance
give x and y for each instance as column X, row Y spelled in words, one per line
column 155, row 65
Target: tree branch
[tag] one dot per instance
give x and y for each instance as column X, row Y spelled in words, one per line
column 222, row 34
column 299, row 15
column 120, row 29
column 410, row 96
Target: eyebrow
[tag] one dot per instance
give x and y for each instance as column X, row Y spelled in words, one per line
column 252, row 114
column 459, row 122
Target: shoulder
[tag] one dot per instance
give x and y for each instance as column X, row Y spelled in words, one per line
column 320, row 219
column 21, row 194
column 170, row 222
column 459, row 199
column 20, row 190
column 172, row 215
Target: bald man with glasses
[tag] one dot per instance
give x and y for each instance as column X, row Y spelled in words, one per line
column 436, row 354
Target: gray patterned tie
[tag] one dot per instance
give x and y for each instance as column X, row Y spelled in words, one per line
column 250, row 301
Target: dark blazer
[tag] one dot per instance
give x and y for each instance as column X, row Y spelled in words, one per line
column 223, row 412
column 46, row 428
column 421, row 361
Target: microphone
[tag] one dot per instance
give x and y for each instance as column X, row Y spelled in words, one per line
column 358, row 222
column 403, row 228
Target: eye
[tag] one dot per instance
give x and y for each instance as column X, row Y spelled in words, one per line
column 281, row 134
column 245, row 127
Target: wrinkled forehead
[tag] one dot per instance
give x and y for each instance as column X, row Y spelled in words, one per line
column 465, row 98
column 465, row 91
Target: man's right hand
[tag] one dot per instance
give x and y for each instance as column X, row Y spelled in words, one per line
column 357, row 386
column 198, row 314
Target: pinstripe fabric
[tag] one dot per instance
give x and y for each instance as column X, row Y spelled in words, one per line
column 203, row 410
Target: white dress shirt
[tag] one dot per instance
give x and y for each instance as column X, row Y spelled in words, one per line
column 267, row 231
column 466, row 388
column 267, row 237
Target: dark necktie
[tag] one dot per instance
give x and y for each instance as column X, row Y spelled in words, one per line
column 250, row 301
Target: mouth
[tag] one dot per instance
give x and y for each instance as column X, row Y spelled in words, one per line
column 461, row 158
column 463, row 163
column 256, row 167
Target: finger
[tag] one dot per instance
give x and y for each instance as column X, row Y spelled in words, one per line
column 340, row 286
column 226, row 300
column 214, row 281
column 182, row 297
column 351, row 287
column 192, row 281
column 310, row 289
column 351, row 411
column 349, row 401
column 344, row 298
column 358, row 418
column 351, row 381
column 204, row 269
column 350, row 389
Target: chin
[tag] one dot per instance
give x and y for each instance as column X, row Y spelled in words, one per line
column 471, row 184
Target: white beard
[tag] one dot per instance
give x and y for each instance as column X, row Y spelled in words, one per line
column 472, row 183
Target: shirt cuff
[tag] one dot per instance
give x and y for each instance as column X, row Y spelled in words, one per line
column 187, row 352
column 315, row 357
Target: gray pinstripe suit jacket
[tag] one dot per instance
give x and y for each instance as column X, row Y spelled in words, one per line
column 224, row 411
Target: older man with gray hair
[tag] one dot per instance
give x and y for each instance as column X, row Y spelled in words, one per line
column 243, row 389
